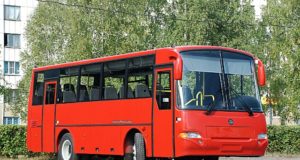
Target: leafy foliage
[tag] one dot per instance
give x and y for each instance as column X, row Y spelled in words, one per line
column 279, row 41
column 284, row 139
column 68, row 30
column 12, row 141
column 81, row 29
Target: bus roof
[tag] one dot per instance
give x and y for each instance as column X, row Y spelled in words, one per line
column 139, row 53
column 187, row 48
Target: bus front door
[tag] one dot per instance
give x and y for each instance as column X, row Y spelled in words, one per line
column 49, row 116
column 163, row 109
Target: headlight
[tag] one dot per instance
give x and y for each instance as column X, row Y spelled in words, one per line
column 262, row 136
column 190, row 135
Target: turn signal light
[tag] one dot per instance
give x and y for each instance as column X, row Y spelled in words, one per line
column 190, row 135
column 262, row 136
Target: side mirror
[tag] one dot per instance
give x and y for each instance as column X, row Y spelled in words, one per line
column 261, row 74
column 177, row 68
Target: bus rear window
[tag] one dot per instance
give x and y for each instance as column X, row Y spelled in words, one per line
column 38, row 90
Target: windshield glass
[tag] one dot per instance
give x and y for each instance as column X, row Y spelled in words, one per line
column 219, row 79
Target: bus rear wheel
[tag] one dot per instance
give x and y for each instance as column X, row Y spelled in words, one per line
column 66, row 148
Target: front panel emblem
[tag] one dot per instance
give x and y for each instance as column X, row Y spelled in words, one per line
column 230, row 122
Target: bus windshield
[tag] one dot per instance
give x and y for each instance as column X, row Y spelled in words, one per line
column 221, row 80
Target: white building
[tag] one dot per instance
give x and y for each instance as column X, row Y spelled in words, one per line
column 13, row 19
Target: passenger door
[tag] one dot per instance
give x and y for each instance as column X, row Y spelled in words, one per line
column 49, row 116
column 163, row 113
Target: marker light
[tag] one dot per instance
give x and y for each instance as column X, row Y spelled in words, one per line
column 262, row 136
column 190, row 135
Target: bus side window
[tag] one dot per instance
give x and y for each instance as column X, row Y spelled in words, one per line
column 89, row 88
column 140, row 77
column 68, row 82
column 38, row 91
column 163, row 90
column 114, row 76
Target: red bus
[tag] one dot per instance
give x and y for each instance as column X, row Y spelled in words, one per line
column 182, row 102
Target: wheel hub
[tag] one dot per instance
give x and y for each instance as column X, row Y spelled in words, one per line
column 66, row 150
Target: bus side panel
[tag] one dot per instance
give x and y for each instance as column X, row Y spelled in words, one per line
column 107, row 140
column 100, row 127
column 96, row 140
column 34, row 128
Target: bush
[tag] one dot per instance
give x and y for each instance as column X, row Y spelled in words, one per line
column 284, row 139
column 13, row 140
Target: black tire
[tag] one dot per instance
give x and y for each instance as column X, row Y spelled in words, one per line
column 66, row 148
column 139, row 146
column 138, row 149
column 211, row 158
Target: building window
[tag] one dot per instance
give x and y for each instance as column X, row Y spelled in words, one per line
column 11, row 95
column 12, row 13
column 11, row 120
column 12, row 40
column 11, row 67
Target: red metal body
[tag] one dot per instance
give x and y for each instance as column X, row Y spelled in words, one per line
column 101, row 127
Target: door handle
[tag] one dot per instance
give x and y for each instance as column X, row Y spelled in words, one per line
column 178, row 119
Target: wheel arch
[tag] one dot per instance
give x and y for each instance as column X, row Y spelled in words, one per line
column 129, row 140
column 60, row 135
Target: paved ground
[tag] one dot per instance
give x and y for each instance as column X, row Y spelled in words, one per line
column 262, row 158
column 268, row 157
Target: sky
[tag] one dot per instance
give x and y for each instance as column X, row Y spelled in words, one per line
column 258, row 4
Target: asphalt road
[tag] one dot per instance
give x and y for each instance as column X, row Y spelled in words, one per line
column 222, row 158
column 263, row 158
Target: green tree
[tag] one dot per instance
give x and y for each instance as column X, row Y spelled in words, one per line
column 280, row 44
column 62, row 31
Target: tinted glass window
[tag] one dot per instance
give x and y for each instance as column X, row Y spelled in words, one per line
column 114, row 76
column 140, row 84
column 89, row 88
column 143, row 61
column 67, row 89
column 52, row 74
column 38, row 89
column 163, row 90
column 218, row 80
column 140, row 75
column 50, row 94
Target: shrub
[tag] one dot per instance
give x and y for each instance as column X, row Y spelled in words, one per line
column 13, row 140
column 284, row 139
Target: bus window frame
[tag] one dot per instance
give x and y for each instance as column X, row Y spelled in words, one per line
column 35, row 78
column 126, row 75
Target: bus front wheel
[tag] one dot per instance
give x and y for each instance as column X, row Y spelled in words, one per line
column 66, row 148
column 138, row 148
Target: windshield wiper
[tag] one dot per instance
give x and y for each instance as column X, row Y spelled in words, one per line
column 246, row 106
column 212, row 104
column 249, row 110
column 242, row 101
column 210, row 108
